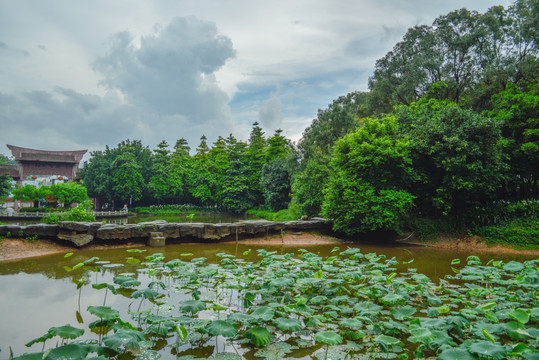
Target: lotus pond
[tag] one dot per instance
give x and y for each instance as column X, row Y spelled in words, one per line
column 226, row 301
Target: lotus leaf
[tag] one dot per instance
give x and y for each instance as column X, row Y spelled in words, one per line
column 124, row 339
column 288, row 324
column 456, row 354
column 67, row 352
column 223, row 328
column 328, row 337
column 104, row 312
column 486, row 348
column 353, row 324
column 258, row 336
column 192, row 306
column 264, row 313
column 513, row 266
column 403, row 312
column 520, row 315
column 66, row 332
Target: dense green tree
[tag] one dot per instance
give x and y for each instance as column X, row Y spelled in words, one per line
column 236, row 195
column 200, row 178
column 5, row 186
column 371, row 170
column 69, row 193
column 518, row 112
column 457, row 154
column 275, row 181
column 165, row 183
column 474, row 54
column 316, row 147
column 256, row 154
column 127, row 179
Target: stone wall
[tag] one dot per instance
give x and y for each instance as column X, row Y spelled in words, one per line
column 82, row 233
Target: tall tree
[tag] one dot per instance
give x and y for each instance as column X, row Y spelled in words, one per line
column 368, row 182
column 127, row 179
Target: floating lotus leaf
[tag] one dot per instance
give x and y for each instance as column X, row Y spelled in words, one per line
column 403, row 312
column 258, row 336
column 328, row 337
column 392, row 299
column 104, row 312
column 124, row 339
column 456, row 354
column 223, row 328
column 421, row 335
column 513, row 266
column 353, row 324
column 192, row 306
column 520, row 315
column 387, row 340
column 487, row 348
column 265, row 313
column 288, row 324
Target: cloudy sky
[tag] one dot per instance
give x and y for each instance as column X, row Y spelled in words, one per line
column 85, row 74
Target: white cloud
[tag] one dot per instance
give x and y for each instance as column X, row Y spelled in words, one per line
column 206, row 68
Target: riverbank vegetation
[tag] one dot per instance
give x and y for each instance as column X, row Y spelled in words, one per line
column 448, row 129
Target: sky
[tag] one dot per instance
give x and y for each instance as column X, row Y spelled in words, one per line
column 85, row 74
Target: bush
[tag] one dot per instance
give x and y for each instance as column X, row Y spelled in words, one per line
column 44, row 209
column 522, row 233
column 83, row 212
column 281, row 215
column 501, row 212
column 173, row 209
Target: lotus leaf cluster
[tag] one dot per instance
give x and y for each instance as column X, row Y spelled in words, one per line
column 346, row 306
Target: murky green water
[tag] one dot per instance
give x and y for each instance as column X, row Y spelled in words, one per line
column 38, row 293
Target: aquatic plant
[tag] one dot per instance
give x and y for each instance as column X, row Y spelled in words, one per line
column 347, row 305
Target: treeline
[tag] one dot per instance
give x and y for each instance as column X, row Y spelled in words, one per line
column 231, row 174
column 448, row 130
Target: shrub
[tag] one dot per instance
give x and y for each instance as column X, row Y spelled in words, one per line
column 83, row 212
column 523, row 233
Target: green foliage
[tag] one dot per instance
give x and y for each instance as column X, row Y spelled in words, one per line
column 5, row 186
column 473, row 53
column 484, row 310
column 520, row 233
column 83, row 212
column 371, row 169
column 275, row 181
column 457, row 154
column 69, row 193
column 281, row 215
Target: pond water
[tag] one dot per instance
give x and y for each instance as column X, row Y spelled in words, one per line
column 38, row 293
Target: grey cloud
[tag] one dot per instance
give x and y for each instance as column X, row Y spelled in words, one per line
column 42, row 47
column 270, row 115
column 172, row 70
column 3, row 45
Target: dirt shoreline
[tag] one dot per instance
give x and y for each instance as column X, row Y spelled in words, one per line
column 15, row 249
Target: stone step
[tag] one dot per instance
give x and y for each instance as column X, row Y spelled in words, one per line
column 157, row 241
column 156, row 234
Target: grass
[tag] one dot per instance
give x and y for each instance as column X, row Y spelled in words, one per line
column 281, row 215
column 519, row 233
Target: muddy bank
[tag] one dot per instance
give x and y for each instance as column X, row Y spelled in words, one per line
column 470, row 244
column 13, row 249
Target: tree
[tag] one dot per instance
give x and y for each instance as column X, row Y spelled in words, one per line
column 457, row 155
column 235, row 195
column 69, row 193
column 518, row 112
column 165, row 183
column 474, row 54
column 275, row 181
column 256, row 156
column 316, row 146
column 127, row 180
column 5, row 186
column 371, row 169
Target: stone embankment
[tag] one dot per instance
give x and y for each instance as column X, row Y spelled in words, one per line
column 82, row 233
